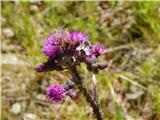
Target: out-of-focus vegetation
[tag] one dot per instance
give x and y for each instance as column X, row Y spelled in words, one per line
column 128, row 89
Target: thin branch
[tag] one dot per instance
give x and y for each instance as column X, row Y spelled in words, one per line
column 121, row 47
column 18, row 99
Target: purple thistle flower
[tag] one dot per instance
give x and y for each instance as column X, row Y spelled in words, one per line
column 54, row 43
column 51, row 50
column 55, row 93
column 77, row 36
column 49, row 47
column 96, row 49
column 51, row 39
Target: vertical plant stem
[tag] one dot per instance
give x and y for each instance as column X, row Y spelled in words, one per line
column 77, row 80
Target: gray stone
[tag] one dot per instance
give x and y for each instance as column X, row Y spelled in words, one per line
column 16, row 108
column 29, row 116
column 8, row 32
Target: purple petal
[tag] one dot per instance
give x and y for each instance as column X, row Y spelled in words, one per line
column 55, row 93
column 77, row 36
column 96, row 49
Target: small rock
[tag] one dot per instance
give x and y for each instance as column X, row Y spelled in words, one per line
column 29, row 116
column 8, row 32
column 9, row 59
column 129, row 117
column 16, row 108
column 41, row 97
column 12, row 59
column 33, row 8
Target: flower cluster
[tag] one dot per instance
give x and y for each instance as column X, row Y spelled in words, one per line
column 64, row 47
column 61, row 41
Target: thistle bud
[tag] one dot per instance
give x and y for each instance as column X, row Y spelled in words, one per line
column 102, row 65
column 48, row 66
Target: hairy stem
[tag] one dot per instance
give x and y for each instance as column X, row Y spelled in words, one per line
column 77, row 80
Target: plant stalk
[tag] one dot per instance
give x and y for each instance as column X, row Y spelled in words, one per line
column 77, row 80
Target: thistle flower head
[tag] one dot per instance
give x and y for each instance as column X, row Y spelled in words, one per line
column 51, row 51
column 55, row 43
column 55, row 92
column 39, row 67
column 96, row 49
column 77, row 36
column 47, row 66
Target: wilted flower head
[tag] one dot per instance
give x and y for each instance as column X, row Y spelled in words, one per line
column 55, row 92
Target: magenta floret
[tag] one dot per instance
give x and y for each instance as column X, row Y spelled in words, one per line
column 77, row 36
column 96, row 49
column 55, row 93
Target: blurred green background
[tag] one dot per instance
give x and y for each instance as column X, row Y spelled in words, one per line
column 128, row 88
